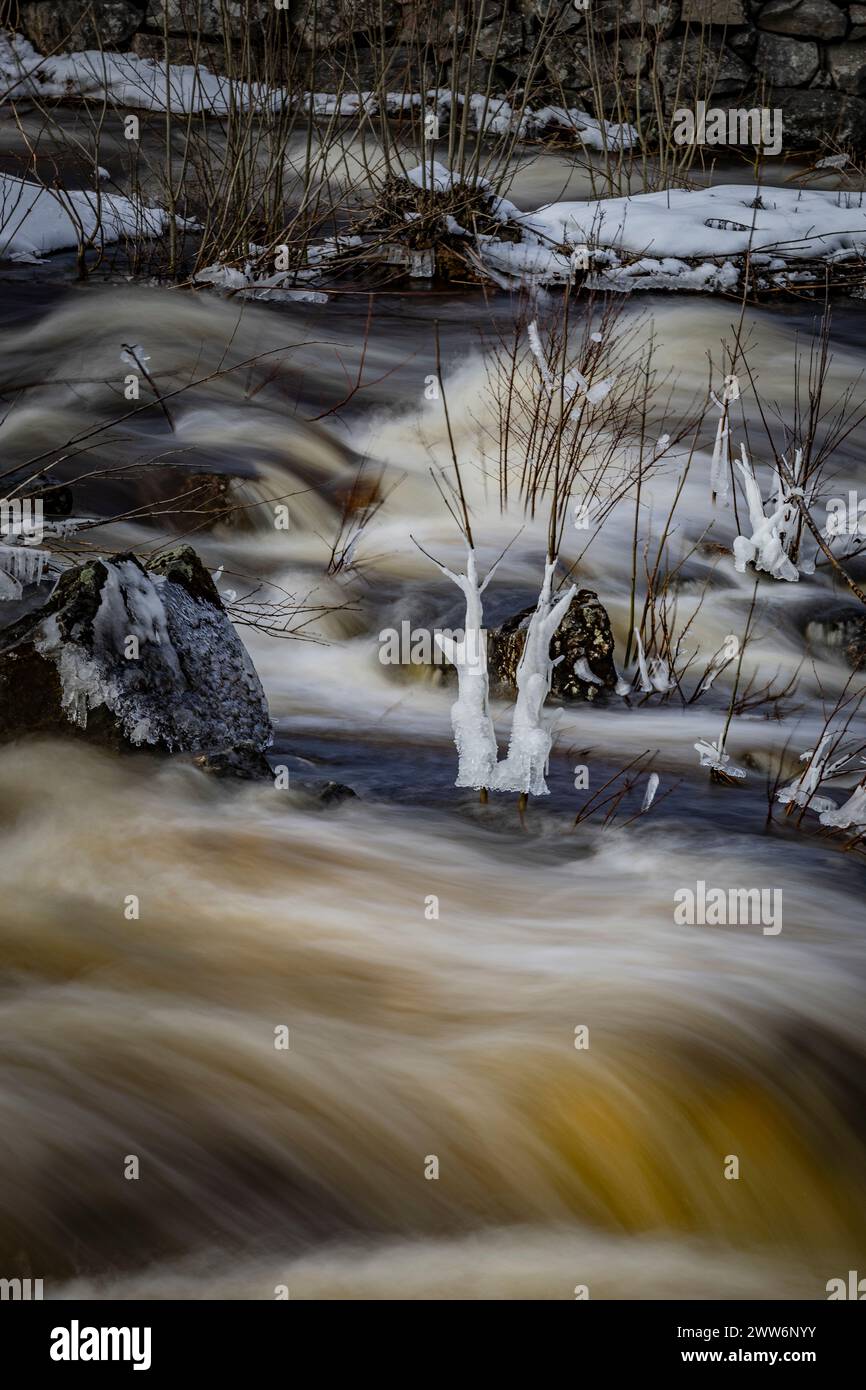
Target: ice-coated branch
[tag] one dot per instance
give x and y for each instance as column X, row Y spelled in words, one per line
column 853, row 812
column 474, row 735
column 801, row 792
column 525, row 767
column 766, row 545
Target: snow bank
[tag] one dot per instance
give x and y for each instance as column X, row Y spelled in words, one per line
column 122, row 78
column 703, row 222
column 35, row 220
column 145, row 84
column 703, row 235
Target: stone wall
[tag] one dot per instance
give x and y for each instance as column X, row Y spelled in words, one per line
column 806, row 57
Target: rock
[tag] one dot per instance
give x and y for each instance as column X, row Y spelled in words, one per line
column 216, row 18
column 743, row 41
column 790, row 62
column 715, row 11
column 333, row 22
column 334, row 793
column 130, row 657
column 499, row 40
column 809, row 116
column 245, row 762
column 583, row 635
column 685, row 73
column 557, row 18
column 857, row 15
column 816, row 19
column 842, row 628
column 847, row 65
column 79, row 24
column 658, row 19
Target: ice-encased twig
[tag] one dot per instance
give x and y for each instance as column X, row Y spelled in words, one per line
column 525, row 767
column 474, row 735
column 852, row 812
column 801, row 792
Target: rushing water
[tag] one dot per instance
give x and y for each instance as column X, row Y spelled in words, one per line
column 414, row 1035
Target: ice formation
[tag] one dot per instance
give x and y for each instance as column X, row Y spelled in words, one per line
column 801, row 792
column 655, row 674
column 767, row 546
column 474, row 735
column 713, row 756
column 19, row 566
column 852, row 812
column 525, row 767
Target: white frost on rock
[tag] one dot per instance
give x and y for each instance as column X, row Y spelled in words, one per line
column 525, row 767
column 168, row 667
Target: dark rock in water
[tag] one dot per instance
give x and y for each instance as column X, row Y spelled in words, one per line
column 130, row 657
column 245, row 761
column 843, row 629
column 584, row 636
column 333, row 793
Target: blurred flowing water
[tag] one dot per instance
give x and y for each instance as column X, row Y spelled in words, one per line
column 414, row 1035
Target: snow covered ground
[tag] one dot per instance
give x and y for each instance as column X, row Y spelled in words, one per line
column 35, row 220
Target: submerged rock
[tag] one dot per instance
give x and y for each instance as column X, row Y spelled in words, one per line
column 842, row 628
column 583, row 639
column 135, row 657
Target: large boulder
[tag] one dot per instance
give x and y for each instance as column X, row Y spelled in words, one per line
column 811, row 114
column 718, row 12
column 790, row 62
column 687, row 69
column 847, row 65
column 814, row 19
column 217, row 18
column 79, row 24
column 135, row 657
column 583, row 639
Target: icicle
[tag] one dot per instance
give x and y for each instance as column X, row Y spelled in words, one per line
column 645, row 682
column 652, row 787
column 22, row 566
column 655, row 675
column 583, row 673
column 538, row 353
column 720, row 466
